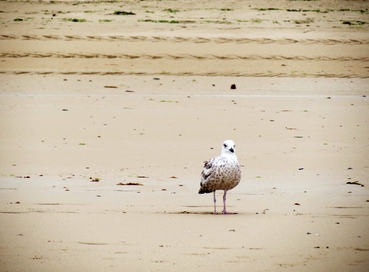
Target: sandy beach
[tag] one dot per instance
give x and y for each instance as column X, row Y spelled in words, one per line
column 108, row 110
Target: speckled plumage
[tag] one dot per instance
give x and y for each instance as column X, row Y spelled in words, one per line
column 221, row 173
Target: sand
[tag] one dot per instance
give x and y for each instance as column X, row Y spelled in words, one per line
column 87, row 106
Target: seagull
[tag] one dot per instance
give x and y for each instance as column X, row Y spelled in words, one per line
column 221, row 173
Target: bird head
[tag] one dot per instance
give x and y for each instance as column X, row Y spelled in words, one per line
column 228, row 147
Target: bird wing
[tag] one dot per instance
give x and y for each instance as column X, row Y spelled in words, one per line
column 208, row 170
column 210, row 175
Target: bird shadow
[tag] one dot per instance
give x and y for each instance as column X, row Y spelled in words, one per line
column 192, row 212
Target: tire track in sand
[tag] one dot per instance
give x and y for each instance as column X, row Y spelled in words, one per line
column 179, row 56
column 184, row 39
column 231, row 74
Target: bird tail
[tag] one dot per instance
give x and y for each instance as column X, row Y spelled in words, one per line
column 204, row 190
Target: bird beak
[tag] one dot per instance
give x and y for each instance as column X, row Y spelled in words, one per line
column 231, row 149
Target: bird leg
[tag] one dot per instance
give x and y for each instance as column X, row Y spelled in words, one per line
column 224, row 203
column 215, row 206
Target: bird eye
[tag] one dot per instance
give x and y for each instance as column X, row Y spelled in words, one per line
column 224, row 145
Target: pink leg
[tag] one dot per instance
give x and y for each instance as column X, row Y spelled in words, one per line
column 224, row 203
column 215, row 201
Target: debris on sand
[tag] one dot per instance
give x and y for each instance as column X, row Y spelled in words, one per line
column 130, row 184
column 355, row 183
